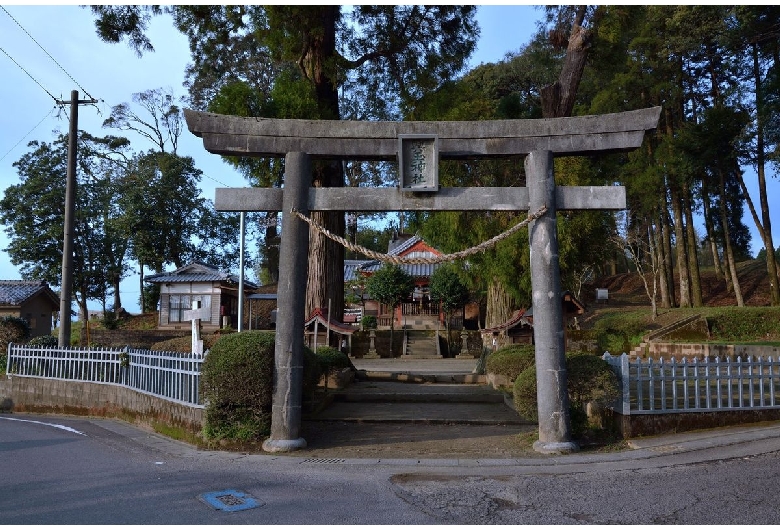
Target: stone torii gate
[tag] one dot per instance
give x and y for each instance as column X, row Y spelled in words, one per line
column 417, row 146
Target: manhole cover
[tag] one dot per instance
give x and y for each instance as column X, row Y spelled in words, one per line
column 229, row 500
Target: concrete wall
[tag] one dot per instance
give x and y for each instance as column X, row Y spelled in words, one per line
column 29, row 394
column 653, row 424
column 667, row 350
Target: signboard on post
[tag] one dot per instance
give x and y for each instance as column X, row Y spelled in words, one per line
column 418, row 162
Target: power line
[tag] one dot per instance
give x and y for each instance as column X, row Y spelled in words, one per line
column 28, row 73
column 47, row 53
column 29, row 133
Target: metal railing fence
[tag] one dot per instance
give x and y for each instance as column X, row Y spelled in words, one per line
column 168, row 375
column 696, row 385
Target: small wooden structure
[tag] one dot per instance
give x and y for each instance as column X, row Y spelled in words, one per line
column 318, row 329
column 33, row 301
column 519, row 329
column 217, row 292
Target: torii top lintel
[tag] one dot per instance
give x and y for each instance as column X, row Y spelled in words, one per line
column 371, row 140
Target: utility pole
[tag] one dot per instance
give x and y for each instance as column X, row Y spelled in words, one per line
column 66, row 289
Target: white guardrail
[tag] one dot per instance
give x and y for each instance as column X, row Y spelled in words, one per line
column 168, row 375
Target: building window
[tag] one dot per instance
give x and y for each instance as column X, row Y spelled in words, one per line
column 179, row 303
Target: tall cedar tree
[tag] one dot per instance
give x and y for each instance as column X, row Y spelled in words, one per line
column 396, row 52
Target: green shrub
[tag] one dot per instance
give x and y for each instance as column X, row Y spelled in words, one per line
column 45, row 341
column 13, row 329
column 331, row 359
column 312, row 371
column 510, row 361
column 237, row 386
column 109, row 320
column 524, row 394
column 590, row 379
column 368, row 322
column 183, row 344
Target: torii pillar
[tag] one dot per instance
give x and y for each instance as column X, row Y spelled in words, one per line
column 539, row 140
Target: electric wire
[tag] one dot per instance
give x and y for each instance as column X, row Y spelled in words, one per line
column 29, row 133
column 28, row 73
column 47, row 53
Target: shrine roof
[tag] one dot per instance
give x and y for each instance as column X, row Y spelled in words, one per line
column 335, row 325
column 518, row 317
column 416, row 270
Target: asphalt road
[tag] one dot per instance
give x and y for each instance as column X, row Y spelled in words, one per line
column 66, row 470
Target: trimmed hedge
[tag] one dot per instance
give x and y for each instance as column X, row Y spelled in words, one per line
column 330, row 359
column 590, row 379
column 510, row 361
column 237, row 385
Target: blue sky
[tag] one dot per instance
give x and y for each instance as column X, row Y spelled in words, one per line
column 111, row 73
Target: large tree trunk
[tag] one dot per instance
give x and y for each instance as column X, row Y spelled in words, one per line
column 680, row 248
column 326, row 258
column 693, row 260
column 668, row 265
column 499, row 304
column 558, row 98
column 727, row 240
column 708, row 226
column 660, row 257
column 142, row 300
column 766, row 229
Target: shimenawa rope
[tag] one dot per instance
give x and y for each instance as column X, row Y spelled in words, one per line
column 398, row 260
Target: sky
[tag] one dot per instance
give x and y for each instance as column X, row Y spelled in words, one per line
column 46, row 51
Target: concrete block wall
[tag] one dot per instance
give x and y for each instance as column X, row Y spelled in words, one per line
column 29, row 394
column 667, row 350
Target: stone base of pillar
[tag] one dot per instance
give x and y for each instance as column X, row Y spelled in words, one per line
column 371, row 355
column 555, row 448
column 283, row 446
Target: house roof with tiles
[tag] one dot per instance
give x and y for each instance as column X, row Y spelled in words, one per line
column 196, row 272
column 16, row 292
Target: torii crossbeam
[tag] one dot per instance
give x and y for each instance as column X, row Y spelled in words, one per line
column 540, row 140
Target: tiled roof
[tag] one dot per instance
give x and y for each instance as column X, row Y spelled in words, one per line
column 417, row 270
column 196, row 272
column 518, row 317
column 16, row 292
column 335, row 325
column 406, row 245
column 352, row 266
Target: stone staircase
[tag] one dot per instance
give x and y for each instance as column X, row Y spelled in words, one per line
column 641, row 350
column 421, row 345
column 380, row 400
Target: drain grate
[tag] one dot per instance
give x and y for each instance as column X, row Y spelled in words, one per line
column 229, row 500
column 324, row 461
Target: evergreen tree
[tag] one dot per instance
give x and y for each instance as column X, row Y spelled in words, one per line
column 396, row 52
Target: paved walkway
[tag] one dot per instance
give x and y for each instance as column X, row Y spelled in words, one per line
column 417, row 366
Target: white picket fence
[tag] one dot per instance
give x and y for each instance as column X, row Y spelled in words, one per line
column 695, row 385
column 168, row 375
